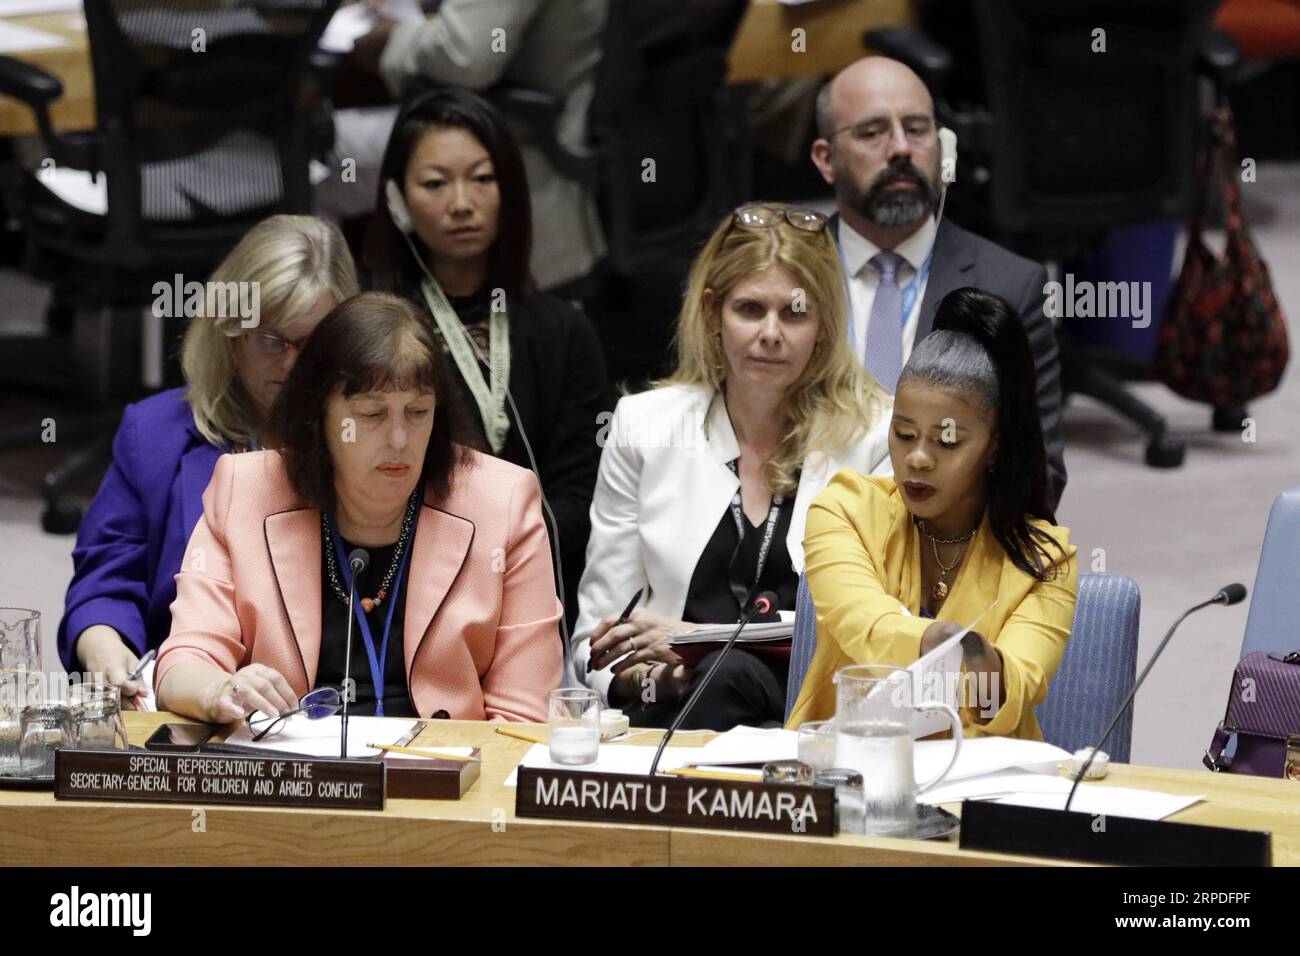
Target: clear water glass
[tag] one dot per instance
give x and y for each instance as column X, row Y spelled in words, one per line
column 574, row 725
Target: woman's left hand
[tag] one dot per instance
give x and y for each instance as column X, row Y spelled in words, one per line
column 983, row 659
column 644, row 636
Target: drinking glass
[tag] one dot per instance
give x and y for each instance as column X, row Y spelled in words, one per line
column 21, row 676
column 817, row 743
column 574, row 725
column 873, row 735
column 45, row 728
column 97, row 717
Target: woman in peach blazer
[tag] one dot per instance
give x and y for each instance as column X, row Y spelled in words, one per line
column 458, row 607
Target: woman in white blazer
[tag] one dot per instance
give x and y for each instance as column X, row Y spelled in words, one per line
column 705, row 480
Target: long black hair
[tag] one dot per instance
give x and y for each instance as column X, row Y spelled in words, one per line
column 386, row 254
column 979, row 344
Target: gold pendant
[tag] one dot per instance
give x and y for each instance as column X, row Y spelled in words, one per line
column 940, row 591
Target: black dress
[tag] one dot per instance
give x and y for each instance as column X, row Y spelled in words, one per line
column 557, row 379
column 334, row 629
column 748, row 688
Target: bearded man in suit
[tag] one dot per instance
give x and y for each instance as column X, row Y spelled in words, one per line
column 878, row 146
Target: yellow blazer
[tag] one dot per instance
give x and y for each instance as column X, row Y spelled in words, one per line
column 863, row 555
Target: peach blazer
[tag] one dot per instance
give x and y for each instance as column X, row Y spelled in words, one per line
column 481, row 636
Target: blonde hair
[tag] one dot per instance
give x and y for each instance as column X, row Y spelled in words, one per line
column 834, row 401
column 294, row 260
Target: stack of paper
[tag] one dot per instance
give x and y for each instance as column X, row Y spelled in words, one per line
column 1023, row 772
column 321, row 738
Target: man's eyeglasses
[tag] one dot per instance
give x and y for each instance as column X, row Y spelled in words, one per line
column 875, row 133
column 268, row 343
column 763, row 216
column 315, row 705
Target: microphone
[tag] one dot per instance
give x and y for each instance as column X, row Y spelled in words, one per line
column 764, row 603
column 358, row 561
column 1232, row 594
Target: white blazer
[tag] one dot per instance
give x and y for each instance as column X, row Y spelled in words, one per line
column 662, row 487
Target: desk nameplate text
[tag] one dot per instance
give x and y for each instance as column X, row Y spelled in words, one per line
column 190, row 778
column 675, row 801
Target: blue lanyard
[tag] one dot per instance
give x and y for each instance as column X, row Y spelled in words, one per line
column 910, row 290
column 377, row 661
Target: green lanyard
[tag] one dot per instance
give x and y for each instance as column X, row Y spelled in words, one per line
column 491, row 404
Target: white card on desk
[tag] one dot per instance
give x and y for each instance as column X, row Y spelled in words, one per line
column 1108, row 801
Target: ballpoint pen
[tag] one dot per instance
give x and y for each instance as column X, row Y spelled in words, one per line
column 622, row 618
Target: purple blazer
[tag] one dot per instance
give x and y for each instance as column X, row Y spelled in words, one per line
column 133, row 537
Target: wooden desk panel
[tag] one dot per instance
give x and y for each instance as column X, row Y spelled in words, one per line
column 35, row 829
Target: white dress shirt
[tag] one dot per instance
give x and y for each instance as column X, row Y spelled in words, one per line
column 863, row 280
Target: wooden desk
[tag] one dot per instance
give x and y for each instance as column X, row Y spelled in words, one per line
column 762, row 49
column 481, row 829
column 832, row 36
column 75, row 110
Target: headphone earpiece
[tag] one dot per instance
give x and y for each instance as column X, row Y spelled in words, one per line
column 397, row 208
column 947, row 155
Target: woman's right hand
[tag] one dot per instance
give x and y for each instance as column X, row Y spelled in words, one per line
column 232, row 697
column 936, row 634
column 102, row 650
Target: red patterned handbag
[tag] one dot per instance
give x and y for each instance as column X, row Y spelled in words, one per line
column 1223, row 339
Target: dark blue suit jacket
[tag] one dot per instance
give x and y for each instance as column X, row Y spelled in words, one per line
column 133, row 537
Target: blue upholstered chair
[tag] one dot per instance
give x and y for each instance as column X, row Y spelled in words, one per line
column 1095, row 676
column 1275, row 601
column 1098, row 669
column 803, row 644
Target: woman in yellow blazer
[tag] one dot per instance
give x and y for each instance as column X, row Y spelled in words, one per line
column 896, row 565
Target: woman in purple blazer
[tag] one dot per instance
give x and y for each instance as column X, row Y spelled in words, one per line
column 292, row 270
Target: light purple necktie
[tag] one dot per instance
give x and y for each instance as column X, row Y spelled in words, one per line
column 885, row 327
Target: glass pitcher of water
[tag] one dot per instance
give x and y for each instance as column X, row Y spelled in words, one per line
column 21, row 678
column 873, row 735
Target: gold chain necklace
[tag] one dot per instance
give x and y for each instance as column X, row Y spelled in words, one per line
column 940, row 590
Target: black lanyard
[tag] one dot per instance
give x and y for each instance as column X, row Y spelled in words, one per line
column 735, row 576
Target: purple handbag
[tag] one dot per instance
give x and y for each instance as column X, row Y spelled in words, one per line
column 1263, row 715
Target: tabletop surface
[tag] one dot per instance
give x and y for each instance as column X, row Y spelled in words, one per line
column 481, row 828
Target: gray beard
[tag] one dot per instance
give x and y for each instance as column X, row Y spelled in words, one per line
column 894, row 210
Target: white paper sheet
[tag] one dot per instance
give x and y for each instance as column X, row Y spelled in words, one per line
column 984, row 755
column 937, row 678
column 992, row 785
column 320, row 738
column 613, row 758
column 766, row 631
column 19, row 39
column 1108, row 801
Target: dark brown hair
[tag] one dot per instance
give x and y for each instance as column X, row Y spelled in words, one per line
column 370, row 342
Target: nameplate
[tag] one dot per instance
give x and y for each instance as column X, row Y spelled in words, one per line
column 759, row 807
column 190, row 778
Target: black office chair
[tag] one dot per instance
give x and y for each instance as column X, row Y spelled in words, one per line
column 660, row 94
column 1059, row 144
column 207, row 117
